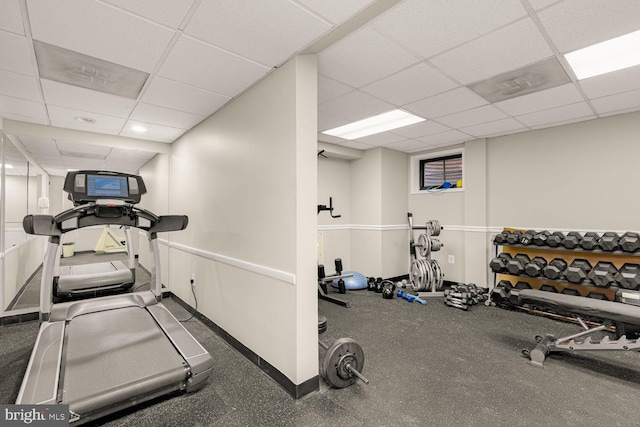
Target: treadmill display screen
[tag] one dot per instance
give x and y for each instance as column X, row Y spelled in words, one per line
column 107, row 186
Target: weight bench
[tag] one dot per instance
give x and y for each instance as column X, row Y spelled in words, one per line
column 622, row 313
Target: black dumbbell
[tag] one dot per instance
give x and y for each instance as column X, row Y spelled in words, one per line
column 603, row 274
column 609, row 241
column 630, row 241
column 501, row 238
column 514, row 237
column 548, row 288
column 540, row 238
column 516, row 265
column 527, row 237
column 378, row 288
column 388, row 288
column 555, row 239
column 522, row 285
column 629, row 276
column 590, row 241
column 555, row 269
column 572, row 240
column 578, row 270
column 534, row 268
column 371, row 283
column 499, row 263
column 500, row 293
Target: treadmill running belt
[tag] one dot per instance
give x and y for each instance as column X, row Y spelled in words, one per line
column 129, row 357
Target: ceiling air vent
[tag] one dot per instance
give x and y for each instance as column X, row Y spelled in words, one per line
column 77, row 69
column 532, row 78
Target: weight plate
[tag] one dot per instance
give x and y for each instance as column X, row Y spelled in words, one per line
column 428, row 274
column 424, row 245
column 437, row 273
column 343, row 352
column 414, row 274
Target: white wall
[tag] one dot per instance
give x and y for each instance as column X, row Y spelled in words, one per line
column 247, row 179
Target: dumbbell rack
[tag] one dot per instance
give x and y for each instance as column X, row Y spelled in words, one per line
column 584, row 289
column 425, row 274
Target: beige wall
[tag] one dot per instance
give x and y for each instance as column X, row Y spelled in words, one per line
column 247, row 179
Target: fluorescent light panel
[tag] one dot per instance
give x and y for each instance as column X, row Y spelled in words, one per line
column 7, row 165
column 611, row 55
column 381, row 123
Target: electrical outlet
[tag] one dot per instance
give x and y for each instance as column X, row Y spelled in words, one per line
column 452, row 259
column 193, row 279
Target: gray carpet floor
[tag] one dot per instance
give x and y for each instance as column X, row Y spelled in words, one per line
column 428, row 365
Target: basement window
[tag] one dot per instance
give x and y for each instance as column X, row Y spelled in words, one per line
column 437, row 172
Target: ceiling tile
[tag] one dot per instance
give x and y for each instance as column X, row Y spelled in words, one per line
column 11, row 17
column 21, row 107
column 409, row 145
column 356, row 145
column 543, row 100
column 409, row 85
column 179, row 96
column 431, row 27
column 15, row 54
column 565, row 122
column 329, row 89
column 555, row 115
column 27, row 119
column 79, row 147
column 574, row 24
column 446, row 137
column 417, row 130
column 355, row 105
column 328, row 121
column 620, row 101
column 541, row 4
column 268, row 32
column 154, row 132
column 383, row 138
column 79, row 98
column 66, row 118
column 121, row 154
column 165, row 12
column 336, row 11
column 164, row 116
column 362, row 58
column 18, row 86
column 99, row 30
column 492, row 128
column 40, row 145
column 204, row 66
column 487, row 113
column 485, row 57
column 612, row 83
column 454, row 101
column 80, row 163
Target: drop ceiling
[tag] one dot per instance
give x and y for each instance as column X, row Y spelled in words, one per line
column 420, row 56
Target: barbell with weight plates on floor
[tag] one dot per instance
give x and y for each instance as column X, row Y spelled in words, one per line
column 343, row 363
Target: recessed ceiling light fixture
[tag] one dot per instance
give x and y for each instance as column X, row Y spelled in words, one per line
column 611, row 55
column 138, row 128
column 87, row 120
column 370, row 126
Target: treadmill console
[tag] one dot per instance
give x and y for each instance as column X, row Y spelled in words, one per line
column 92, row 186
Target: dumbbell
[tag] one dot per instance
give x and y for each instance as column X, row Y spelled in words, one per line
column 516, row 265
column 630, row 241
column 555, row 239
column 499, row 263
column 629, row 276
column 578, row 270
column 387, row 289
column 590, row 241
column 501, row 238
column 555, row 269
column 527, row 237
column 534, row 268
column 572, row 240
column 500, row 293
column 609, row 241
column 540, row 238
column 514, row 237
column 603, row 274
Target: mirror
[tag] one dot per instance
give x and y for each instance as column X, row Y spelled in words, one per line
column 22, row 253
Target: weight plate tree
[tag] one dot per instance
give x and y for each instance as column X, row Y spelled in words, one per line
column 425, row 274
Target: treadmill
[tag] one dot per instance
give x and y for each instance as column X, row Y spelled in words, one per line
column 105, row 354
